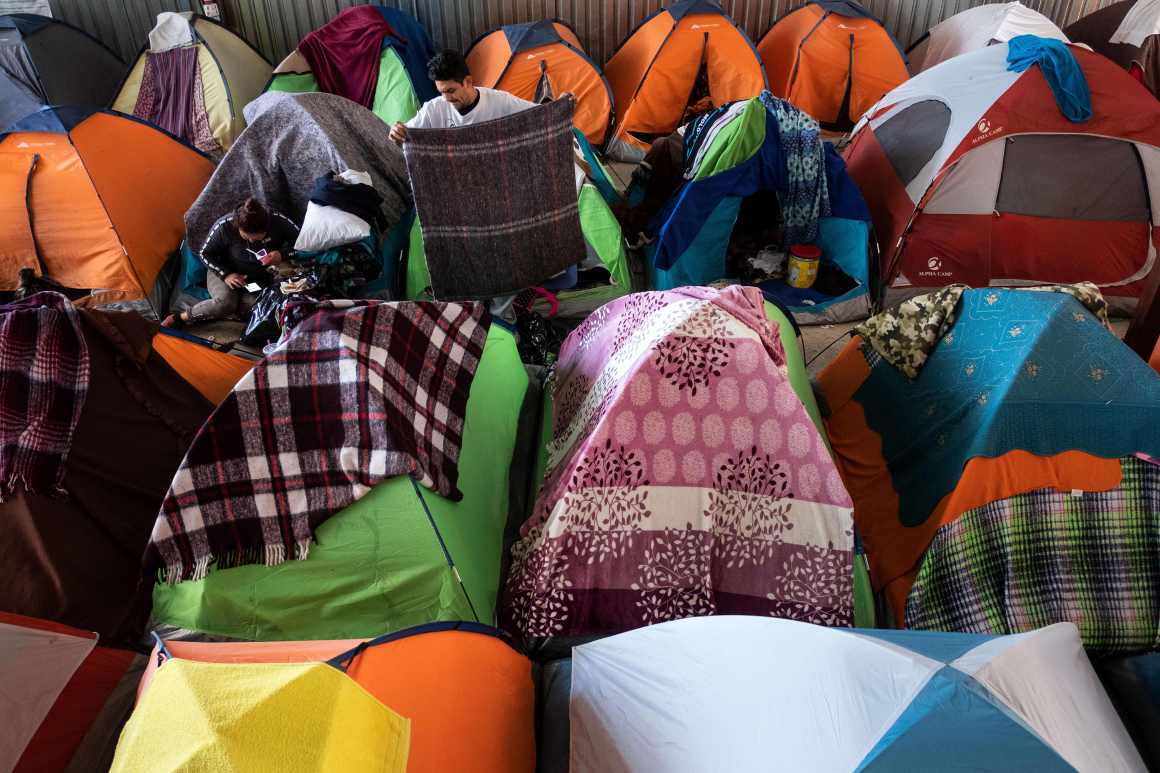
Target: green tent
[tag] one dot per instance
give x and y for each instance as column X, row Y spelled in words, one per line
column 401, row 556
column 402, row 85
column 395, row 98
column 602, row 236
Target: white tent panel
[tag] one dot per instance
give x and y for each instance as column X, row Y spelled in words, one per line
column 733, row 693
column 35, row 666
column 1046, row 678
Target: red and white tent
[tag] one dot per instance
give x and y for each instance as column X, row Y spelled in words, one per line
column 54, row 684
column 973, row 175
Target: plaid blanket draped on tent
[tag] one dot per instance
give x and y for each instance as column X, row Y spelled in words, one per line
column 497, row 201
column 44, row 378
column 1046, row 557
column 355, row 393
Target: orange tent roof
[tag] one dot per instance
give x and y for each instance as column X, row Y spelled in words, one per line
column 94, row 199
column 832, row 59
column 469, row 695
column 540, row 59
column 209, row 371
column 656, row 69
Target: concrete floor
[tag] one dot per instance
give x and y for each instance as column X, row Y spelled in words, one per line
column 817, row 338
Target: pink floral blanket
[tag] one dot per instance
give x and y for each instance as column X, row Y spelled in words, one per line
column 684, row 477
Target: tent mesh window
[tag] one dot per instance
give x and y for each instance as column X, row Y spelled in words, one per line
column 1074, row 177
column 911, row 137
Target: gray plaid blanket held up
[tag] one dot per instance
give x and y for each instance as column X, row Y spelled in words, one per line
column 497, row 202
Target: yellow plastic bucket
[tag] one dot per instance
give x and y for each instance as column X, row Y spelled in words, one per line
column 803, row 265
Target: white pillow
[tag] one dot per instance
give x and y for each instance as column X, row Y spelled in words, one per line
column 326, row 227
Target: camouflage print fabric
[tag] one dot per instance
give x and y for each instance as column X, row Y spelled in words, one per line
column 906, row 335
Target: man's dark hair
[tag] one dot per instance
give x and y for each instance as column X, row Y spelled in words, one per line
column 448, row 65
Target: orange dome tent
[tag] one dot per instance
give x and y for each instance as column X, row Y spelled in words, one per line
column 833, row 59
column 541, row 60
column 469, row 694
column 681, row 54
column 94, row 200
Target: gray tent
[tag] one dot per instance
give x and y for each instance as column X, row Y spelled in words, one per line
column 291, row 140
column 47, row 62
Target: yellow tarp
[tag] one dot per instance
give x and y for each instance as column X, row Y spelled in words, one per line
column 278, row 717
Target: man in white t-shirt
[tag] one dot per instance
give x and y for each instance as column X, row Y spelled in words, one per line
column 461, row 103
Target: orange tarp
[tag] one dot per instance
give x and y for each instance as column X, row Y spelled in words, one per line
column 210, row 372
column 469, row 696
column 809, row 62
column 653, row 72
column 894, row 550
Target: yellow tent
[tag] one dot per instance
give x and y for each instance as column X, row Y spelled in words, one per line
column 230, row 74
column 283, row 717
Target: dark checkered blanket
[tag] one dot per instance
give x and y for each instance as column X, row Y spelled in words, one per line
column 497, row 201
column 353, row 394
column 44, row 378
column 1090, row 558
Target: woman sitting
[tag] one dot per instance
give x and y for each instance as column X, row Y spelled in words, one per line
column 241, row 252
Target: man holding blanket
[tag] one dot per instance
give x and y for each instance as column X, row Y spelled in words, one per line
column 462, row 102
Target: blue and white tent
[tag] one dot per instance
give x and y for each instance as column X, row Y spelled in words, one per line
column 762, row 694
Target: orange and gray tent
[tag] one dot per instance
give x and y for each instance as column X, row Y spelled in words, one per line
column 192, row 79
column 94, row 201
column 684, row 54
column 48, row 62
column 832, row 59
column 539, row 61
column 1128, row 33
column 469, row 695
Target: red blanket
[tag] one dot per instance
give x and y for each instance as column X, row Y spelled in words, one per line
column 344, row 54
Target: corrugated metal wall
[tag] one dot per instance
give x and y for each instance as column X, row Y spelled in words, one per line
column 122, row 25
column 276, row 26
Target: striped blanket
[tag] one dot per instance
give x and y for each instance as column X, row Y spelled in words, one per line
column 497, row 202
column 1030, row 560
column 44, row 379
column 355, row 393
column 684, row 478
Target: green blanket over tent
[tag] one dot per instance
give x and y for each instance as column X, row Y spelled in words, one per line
column 382, row 564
